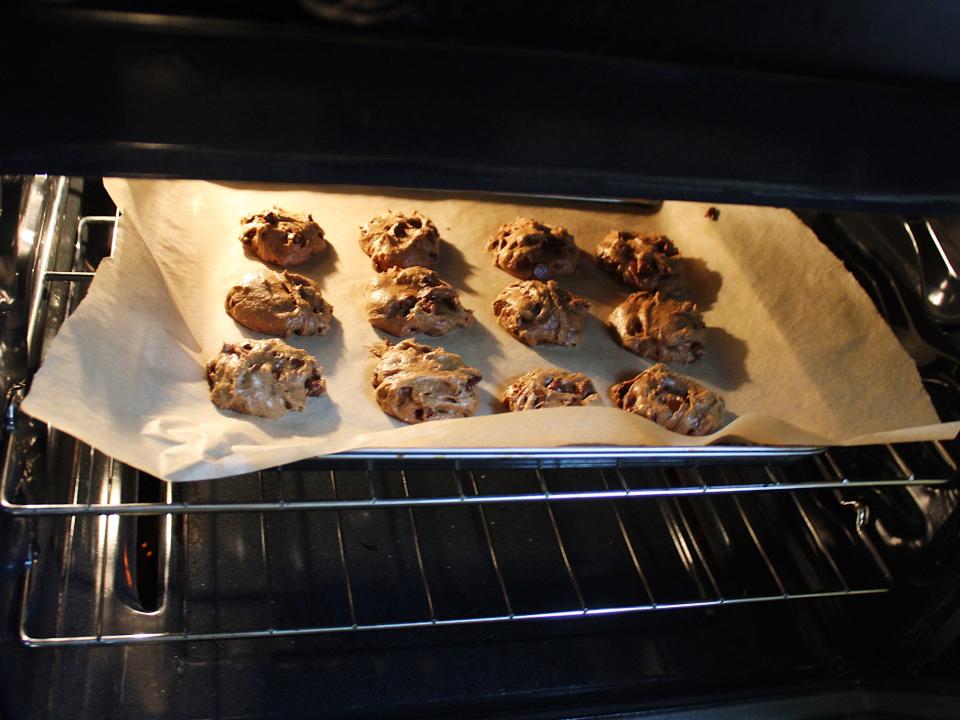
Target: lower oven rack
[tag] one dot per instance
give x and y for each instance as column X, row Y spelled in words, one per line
column 309, row 573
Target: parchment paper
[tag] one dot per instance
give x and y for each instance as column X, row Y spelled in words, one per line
column 794, row 344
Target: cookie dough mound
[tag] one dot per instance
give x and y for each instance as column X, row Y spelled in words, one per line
column 281, row 237
column 541, row 313
column 266, row 378
column 528, row 248
column 414, row 300
column 416, row 382
column 279, row 303
column 672, row 400
column 648, row 262
column 395, row 240
column 549, row 388
column 659, row 328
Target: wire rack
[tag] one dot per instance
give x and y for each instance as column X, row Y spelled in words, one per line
column 372, row 541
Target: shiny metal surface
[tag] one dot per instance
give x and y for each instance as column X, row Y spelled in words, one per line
column 941, row 286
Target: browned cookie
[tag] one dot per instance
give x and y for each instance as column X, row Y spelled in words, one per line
column 649, row 262
column 541, row 313
column 659, row 328
column 672, row 400
column 264, row 378
column 397, row 240
column 279, row 303
column 528, row 248
column 414, row 300
column 549, row 388
column 416, row 383
column 282, row 237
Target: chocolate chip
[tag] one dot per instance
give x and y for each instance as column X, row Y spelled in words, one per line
column 712, row 213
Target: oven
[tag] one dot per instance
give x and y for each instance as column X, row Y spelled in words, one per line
column 724, row 581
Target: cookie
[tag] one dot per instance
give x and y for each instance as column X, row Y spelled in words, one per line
column 281, row 237
column 549, row 388
column 414, row 300
column 266, row 378
column 528, row 248
column 541, row 313
column 416, row 382
column 672, row 400
column 648, row 262
column 279, row 303
column 659, row 328
column 395, row 240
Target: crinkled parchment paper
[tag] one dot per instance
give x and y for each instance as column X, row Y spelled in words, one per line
column 794, row 344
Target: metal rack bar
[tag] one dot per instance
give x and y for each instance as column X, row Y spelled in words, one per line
column 343, row 557
column 629, row 543
column 163, row 637
column 416, row 547
column 563, row 548
column 182, row 507
column 489, row 541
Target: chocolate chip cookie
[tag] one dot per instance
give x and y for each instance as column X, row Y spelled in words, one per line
column 549, row 388
column 647, row 261
column 541, row 313
column 395, row 240
column 279, row 303
column 414, row 300
column 672, row 400
column 528, row 248
column 659, row 328
column 266, row 378
column 416, row 382
column 281, row 237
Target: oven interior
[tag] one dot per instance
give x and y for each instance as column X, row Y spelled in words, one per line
column 366, row 586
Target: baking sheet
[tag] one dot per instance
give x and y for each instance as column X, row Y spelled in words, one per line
column 794, row 344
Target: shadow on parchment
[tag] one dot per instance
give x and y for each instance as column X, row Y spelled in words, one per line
column 454, row 266
column 726, row 356
column 702, row 282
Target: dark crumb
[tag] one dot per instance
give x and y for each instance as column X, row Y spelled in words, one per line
column 712, row 213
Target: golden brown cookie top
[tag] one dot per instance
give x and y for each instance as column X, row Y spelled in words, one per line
column 406, row 301
column 527, row 248
column 549, row 388
column 672, row 400
column 659, row 328
column 541, row 313
column 396, row 240
column 266, row 378
column 281, row 237
column 647, row 261
column 279, row 303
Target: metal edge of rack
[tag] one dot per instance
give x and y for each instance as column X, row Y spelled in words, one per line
column 168, row 637
column 186, row 508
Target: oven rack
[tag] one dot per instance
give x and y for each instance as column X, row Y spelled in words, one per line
column 354, row 569
column 96, row 484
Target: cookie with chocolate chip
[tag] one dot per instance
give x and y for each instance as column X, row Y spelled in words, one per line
column 672, row 400
column 549, row 388
column 281, row 237
column 647, row 261
column 527, row 248
column 396, row 240
column 266, row 378
column 659, row 328
column 541, row 313
column 416, row 383
column 279, row 303
column 414, row 300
